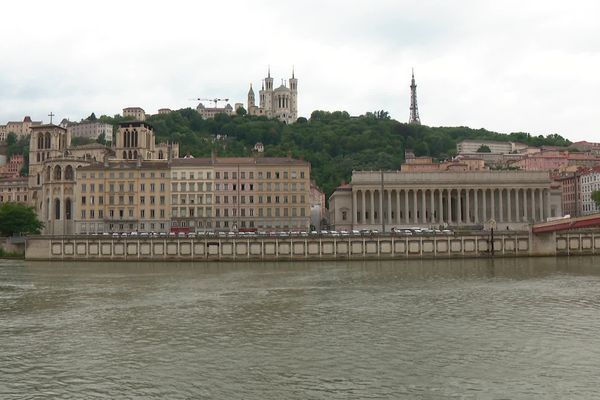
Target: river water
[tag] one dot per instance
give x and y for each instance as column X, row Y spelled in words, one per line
column 435, row 329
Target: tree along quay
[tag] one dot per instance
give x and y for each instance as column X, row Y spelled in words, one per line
column 376, row 247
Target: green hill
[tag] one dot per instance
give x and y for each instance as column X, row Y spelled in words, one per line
column 334, row 142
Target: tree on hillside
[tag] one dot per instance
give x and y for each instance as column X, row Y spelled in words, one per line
column 484, row 149
column 92, row 117
column 101, row 138
column 596, row 197
column 241, row 111
column 11, row 138
column 18, row 218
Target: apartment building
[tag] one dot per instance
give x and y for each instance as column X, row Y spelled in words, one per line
column 14, row 190
column 240, row 194
column 123, row 196
column 192, row 185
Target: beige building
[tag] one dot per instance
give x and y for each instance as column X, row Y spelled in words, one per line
column 210, row 112
column 137, row 185
column 280, row 102
column 470, row 146
column 20, row 128
column 123, row 196
column 426, row 164
column 56, row 189
column 282, row 187
column 91, row 130
column 14, row 190
column 240, row 194
column 192, row 194
column 137, row 113
column 136, row 139
column 391, row 199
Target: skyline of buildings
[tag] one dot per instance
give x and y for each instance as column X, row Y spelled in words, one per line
column 239, row 193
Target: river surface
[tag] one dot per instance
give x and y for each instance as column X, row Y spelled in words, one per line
column 524, row 328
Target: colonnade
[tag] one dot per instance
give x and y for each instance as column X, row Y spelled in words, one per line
column 453, row 206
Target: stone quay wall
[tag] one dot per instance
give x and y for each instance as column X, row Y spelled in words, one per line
column 309, row 248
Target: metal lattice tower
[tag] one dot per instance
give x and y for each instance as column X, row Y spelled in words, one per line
column 414, row 109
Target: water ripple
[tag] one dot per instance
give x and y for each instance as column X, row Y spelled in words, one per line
column 491, row 329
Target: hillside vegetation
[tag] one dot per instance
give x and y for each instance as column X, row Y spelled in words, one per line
column 334, row 142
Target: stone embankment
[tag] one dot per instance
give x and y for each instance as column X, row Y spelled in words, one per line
column 244, row 248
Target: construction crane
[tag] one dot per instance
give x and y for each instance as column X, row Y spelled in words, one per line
column 213, row 100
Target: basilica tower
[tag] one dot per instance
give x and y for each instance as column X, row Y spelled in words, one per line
column 293, row 97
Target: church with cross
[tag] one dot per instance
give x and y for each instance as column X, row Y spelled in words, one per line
column 280, row 102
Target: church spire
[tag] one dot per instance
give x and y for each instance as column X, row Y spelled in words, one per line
column 414, row 110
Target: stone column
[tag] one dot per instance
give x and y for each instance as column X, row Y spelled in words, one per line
column 468, row 207
column 389, row 210
column 406, row 207
column 493, row 204
column 398, row 220
column 501, row 204
column 354, row 208
column 449, row 204
column 484, row 212
column 459, row 217
column 541, row 197
column 525, row 205
column 363, row 208
column 415, row 207
column 508, row 205
column 372, row 212
column 547, row 200
column 424, row 206
column 517, row 206
column 476, row 210
column 432, row 201
column 380, row 216
column 440, row 206
column 533, row 205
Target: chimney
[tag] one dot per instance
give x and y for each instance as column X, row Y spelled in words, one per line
column 213, row 155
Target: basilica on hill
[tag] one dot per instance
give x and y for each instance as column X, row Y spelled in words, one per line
column 280, row 103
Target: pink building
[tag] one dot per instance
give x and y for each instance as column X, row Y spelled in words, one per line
column 570, row 194
column 13, row 168
column 556, row 161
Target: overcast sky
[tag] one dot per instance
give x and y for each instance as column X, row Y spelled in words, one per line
column 507, row 65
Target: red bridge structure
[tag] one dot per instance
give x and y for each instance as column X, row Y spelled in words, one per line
column 566, row 223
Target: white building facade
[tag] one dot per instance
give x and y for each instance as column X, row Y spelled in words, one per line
column 393, row 199
column 589, row 183
column 91, row 130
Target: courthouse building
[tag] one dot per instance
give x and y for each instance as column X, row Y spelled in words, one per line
column 389, row 199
